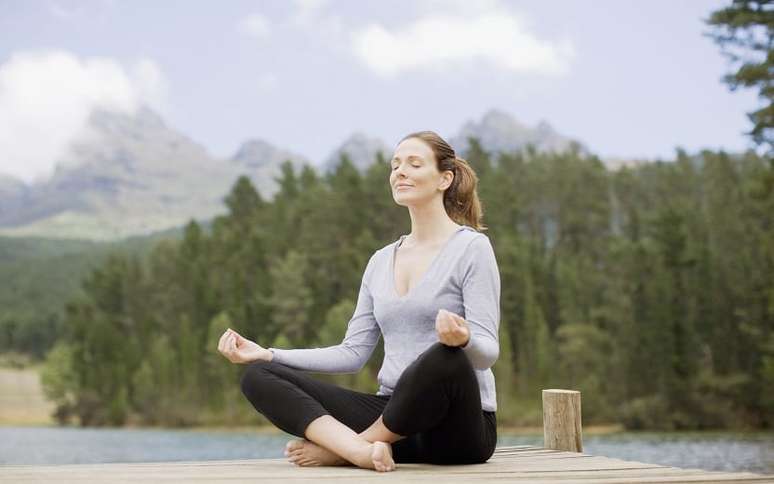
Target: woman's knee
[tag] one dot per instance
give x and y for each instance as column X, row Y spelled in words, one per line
column 443, row 358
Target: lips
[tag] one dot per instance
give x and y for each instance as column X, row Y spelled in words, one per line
column 402, row 186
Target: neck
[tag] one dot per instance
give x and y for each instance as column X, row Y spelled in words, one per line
column 430, row 223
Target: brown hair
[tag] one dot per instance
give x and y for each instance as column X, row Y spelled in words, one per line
column 461, row 199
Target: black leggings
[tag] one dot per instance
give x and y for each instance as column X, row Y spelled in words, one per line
column 436, row 404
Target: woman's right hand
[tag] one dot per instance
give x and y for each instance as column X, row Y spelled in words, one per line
column 238, row 349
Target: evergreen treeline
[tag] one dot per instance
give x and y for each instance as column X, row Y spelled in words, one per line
column 649, row 289
column 38, row 276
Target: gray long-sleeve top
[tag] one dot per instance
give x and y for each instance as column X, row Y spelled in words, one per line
column 463, row 278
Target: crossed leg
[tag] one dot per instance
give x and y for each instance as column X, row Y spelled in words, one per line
column 326, row 414
column 437, row 396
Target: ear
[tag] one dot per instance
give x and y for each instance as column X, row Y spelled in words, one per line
column 447, row 179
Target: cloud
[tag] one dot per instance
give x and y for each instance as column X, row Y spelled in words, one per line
column 47, row 96
column 254, row 25
column 450, row 34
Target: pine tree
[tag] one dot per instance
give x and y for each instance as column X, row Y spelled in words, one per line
column 745, row 32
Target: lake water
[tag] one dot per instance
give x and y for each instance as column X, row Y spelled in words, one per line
column 752, row 452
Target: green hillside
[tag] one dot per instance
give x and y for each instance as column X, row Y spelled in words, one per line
column 40, row 275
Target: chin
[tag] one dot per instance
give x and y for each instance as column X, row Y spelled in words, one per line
column 408, row 202
column 402, row 200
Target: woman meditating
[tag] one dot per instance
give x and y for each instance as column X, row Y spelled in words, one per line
column 434, row 295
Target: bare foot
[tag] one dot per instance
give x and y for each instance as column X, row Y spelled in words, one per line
column 381, row 456
column 307, row 453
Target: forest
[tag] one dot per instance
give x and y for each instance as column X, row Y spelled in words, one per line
column 649, row 288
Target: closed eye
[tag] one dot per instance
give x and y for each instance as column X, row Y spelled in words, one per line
column 413, row 166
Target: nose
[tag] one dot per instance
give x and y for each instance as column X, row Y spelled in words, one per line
column 400, row 173
column 400, row 179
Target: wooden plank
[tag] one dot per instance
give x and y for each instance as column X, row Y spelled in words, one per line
column 514, row 464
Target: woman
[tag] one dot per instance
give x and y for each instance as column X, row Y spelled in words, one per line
column 434, row 295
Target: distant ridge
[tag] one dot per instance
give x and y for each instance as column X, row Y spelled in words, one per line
column 498, row 131
column 134, row 175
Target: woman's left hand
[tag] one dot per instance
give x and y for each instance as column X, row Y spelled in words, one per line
column 452, row 329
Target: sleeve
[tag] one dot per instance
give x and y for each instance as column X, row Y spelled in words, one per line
column 353, row 352
column 480, row 278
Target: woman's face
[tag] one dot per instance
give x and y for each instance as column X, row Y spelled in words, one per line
column 415, row 178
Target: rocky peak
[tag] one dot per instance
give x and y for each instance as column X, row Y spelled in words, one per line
column 361, row 150
column 499, row 131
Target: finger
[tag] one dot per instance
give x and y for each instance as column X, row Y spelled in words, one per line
column 447, row 324
column 445, row 328
column 222, row 341
column 443, row 337
column 233, row 351
column 232, row 343
column 227, row 345
column 224, row 344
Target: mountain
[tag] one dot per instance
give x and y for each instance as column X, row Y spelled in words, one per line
column 360, row 149
column 11, row 187
column 128, row 175
column 12, row 192
column 260, row 161
column 499, row 131
column 132, row 174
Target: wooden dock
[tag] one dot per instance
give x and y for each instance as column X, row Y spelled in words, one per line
column 522, row 463
column 560, row 460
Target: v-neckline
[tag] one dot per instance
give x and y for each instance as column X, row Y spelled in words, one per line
column 429, row 267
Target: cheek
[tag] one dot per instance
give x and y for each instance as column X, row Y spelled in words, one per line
column 424, row 180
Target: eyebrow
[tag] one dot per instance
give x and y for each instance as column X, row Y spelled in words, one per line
column 416, row 157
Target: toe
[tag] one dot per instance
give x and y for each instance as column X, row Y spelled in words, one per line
column 294, row 445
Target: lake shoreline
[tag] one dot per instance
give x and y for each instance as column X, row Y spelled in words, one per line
column 601, row 429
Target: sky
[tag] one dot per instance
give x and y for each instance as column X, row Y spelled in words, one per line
column 629, row 79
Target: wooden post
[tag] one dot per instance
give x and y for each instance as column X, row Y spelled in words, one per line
column 562, row 420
